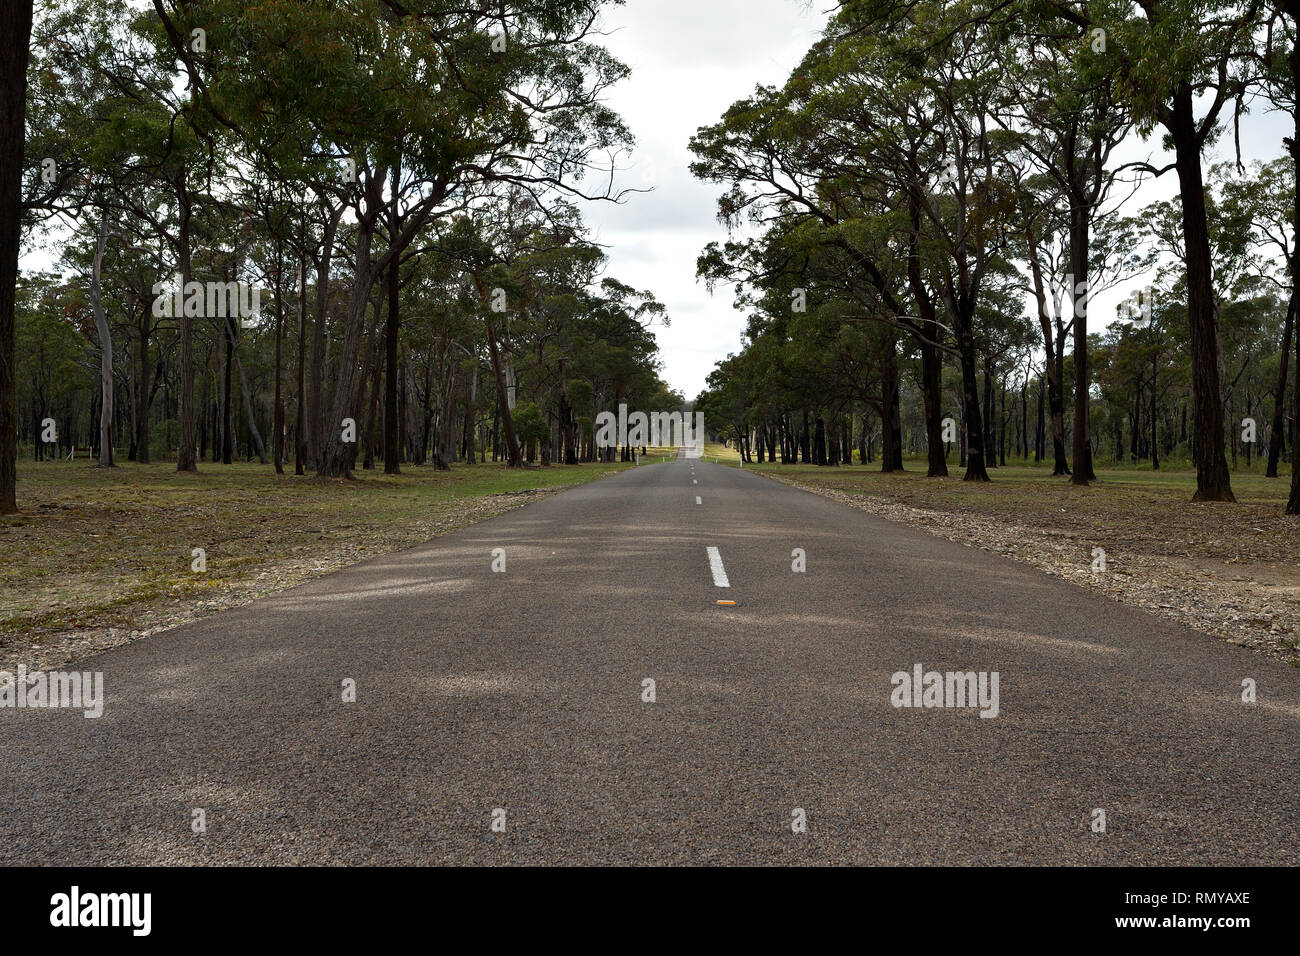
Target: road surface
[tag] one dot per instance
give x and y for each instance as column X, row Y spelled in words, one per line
column 518, row 699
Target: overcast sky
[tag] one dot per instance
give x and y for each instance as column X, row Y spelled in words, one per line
column 690, row 60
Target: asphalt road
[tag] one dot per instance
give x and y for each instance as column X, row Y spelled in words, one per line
column 523, row 690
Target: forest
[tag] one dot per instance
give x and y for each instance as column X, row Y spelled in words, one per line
column 919, row 219
column 321, row 236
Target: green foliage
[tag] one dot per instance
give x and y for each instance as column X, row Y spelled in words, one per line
column 530, row 423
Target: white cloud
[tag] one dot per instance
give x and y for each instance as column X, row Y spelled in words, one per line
column 690, row 60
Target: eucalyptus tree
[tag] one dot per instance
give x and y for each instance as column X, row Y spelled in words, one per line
column 1181, row 65
column 1065, row 110
column 791, row 167
column 102, row 110
column 46, row 110
column 171, row 142
column 1281, row 84
column 1247, row 263
column 948, row 159
column 1263, row 199
column 421, row 105
column 53, row 373
column 728, row 398
column 809, row 298
column 482, row 256
column 1044, row 237
column 896, row 95
column 624, row 366
column 1252, row 255
column 783, row 179
column 552, row 269
column 280, row 226
column 444, row 344
column 928, row 90
column 16, row 29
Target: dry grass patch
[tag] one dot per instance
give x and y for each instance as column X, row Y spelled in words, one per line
column 99, row 557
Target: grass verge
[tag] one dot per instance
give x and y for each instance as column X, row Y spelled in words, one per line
column 98, row 557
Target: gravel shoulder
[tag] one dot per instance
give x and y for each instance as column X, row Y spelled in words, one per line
column 1230, row 571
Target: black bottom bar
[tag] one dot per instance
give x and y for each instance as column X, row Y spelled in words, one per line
column 334, row 905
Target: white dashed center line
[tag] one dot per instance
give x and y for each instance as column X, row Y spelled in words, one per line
column 698, row 501
column 719, row 572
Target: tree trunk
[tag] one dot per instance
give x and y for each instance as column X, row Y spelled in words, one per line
column 1293, row 503
column 1212, row 479
column 1021, row 431
column 1136, row 419
column 403, row 412
column 185, row 455
column 471, row 398
column 16, row 25
column 227, row 409
column 131, row 389
column 964, row 327
column 1002, row 426
column 144, row 386
column 105, row 348
column 991, row 436
column 1277, row 433
column 1040, row 426
column 315, row 425
column 1052, row 362
column 253, row 433
column 513, row 455
column 931, row 360
column 277, row 421
column 338, row 453
column 1155, row 451
column 990, row 453
column 392, row 449
column 300, row 427
column 931, row 377
column 1079, row 300
column 372, row 403
column 444, row 441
